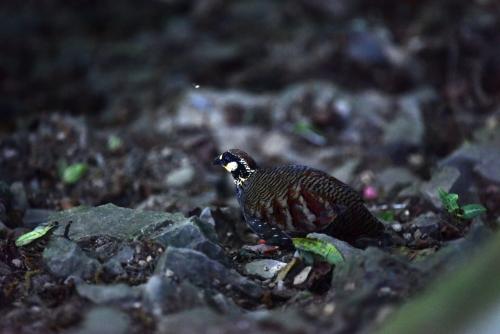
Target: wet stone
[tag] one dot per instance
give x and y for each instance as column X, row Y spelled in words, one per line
column 108, row 294
column 428, row 224
column 112, row 221
column 264, row 269
column 194, row 234
column 64, row 258
column 204, row 272
column 164, row 295
column 391, row 178
column 484, row 158
column 180, row 177
column 103, row 320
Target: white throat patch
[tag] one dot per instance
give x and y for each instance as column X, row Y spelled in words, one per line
column 232, row 166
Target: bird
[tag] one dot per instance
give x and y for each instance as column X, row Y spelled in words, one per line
column 279, row 203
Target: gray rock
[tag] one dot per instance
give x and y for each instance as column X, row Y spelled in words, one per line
column 101, row 320
column 112, row 221
column 124, row 224
column 192, row 233
column 345, row 172
column 124, row 255
column 265, row 268
column 484, row 159
column 407, row 128
column 197, row 320
column 163, row 295
column 444, row 178
column 64, row 258
column 108, row 294
column 20, row 199
column 393, row 177
column 206, row 216
column 205, row 272
column 180, row 177
column 113, row 267
column 4, row 269
column 206, row 320
column 429, row 224
column 224, row 304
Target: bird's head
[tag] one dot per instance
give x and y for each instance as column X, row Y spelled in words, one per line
column 238, row 163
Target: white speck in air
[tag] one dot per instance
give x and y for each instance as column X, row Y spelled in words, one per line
column 196, row 86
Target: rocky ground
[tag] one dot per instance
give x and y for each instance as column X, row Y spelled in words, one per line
column 111, row 117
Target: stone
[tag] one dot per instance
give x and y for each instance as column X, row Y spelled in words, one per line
column 485, row 159
column 180, row 177
column 205, row 272
column 408, row 126
column 113, row 221
column 191, row 233
column 108, row 294
column 163, row 295
column 113, row 267
column 197, row 320
column 428, row 224
column 393, row 177
column 265, row 268
column 302, row 276
column 104, row 320
column 124, row 255
column 64, row 258
column 4, row 269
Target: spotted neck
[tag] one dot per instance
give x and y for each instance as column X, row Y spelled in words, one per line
column 242, row 173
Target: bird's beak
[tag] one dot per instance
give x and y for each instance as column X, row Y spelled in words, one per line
column 218, row 161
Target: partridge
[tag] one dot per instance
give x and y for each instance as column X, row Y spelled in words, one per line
column 286, row 201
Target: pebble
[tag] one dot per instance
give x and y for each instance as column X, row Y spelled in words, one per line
column 302, row 276
column 17, row 263
column 397, row 227
column 329, row 309
column 180, row 177
column 265, row 269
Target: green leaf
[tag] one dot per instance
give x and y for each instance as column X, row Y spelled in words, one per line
column 114, row 143
column 309, row 132
column 387, row 216
column 37, row 233
column 449, row 201
column 470, row 211
column 74, row 173
column 319, row 247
